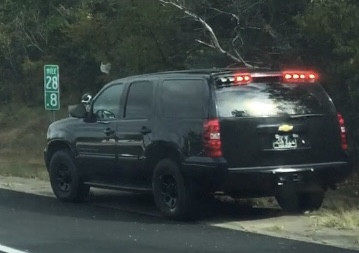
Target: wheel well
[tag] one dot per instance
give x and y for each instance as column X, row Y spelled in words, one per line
column 52, row 148
column 161, row 151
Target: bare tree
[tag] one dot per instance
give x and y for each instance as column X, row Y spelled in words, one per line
column 213, row 41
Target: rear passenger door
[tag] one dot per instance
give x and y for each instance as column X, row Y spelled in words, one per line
column 134, row 132
column 183, row 106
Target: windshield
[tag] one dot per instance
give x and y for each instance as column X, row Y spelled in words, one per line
column 272, row 99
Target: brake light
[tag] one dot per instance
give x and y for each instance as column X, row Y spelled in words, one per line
column 212, row 138
column 343, row 132
column 242, row 78
column 300, row 76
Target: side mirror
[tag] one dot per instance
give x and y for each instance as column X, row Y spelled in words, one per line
column 78, row 111
column 86, row 100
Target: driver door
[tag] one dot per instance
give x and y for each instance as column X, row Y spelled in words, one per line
column 96, row 142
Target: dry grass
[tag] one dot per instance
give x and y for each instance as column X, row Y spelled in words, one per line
column 20, row 168
column 340, row 218
column 276, row 228
column 267, row 202
column 22, row 141
column 340, row 209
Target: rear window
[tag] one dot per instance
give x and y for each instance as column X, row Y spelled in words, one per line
column 272, row 99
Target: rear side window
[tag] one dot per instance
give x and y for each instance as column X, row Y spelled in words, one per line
column 184, row 98
column 272, row 99
column 139, row 100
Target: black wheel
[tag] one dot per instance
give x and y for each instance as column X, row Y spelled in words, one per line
column 297, row 202
column 173, row 195
column 64, row 178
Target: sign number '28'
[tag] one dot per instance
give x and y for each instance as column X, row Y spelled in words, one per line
column 52, row 83
column 51, row 87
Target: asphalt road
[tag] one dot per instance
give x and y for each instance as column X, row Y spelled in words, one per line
column 38, row 224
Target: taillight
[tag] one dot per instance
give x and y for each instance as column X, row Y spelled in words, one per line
column 292, row 76
column 343, row 132
column 212, row 138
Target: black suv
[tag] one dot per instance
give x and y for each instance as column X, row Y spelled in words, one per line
column 186, row 135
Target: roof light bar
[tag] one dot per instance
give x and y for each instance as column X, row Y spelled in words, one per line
column 295, row 76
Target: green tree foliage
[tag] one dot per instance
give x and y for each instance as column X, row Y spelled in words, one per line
column 135, row 36
column 257, row 30
column 29, row 32
column 328, row 38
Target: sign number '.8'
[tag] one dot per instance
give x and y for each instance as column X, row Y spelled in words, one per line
column 53, row 99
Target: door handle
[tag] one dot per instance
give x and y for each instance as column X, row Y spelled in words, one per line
column 109, row 131
column 145, row 130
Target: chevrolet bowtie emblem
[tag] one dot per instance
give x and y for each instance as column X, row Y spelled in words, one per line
column 285, row 128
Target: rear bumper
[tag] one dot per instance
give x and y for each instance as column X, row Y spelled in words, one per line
column 264, row 181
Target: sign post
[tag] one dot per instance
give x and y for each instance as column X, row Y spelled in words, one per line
column 52, row 89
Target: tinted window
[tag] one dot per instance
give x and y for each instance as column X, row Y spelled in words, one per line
column 272, row 99
column 184, row 98
column 107, row 104
column 139, row 101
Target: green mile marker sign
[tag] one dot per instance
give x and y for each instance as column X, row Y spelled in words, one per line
column 51, row 87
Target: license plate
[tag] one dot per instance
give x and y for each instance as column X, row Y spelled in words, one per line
column 285, row 141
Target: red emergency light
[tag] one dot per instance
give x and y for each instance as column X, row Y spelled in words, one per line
column 242, row 78
column 294, row 76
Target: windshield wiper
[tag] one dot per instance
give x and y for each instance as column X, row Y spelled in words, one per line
column 309, row 115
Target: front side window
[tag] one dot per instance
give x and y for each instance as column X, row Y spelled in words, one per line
column 107, row 104
column 139, row 100
column 184, row 98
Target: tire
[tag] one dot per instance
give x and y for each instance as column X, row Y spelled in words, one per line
column 64, row 178
column 298, row 202
column 173, row 195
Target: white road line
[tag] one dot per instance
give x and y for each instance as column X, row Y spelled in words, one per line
column 6, row 249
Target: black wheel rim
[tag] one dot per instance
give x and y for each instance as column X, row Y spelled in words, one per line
column 63, row 178
column 169, row 194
